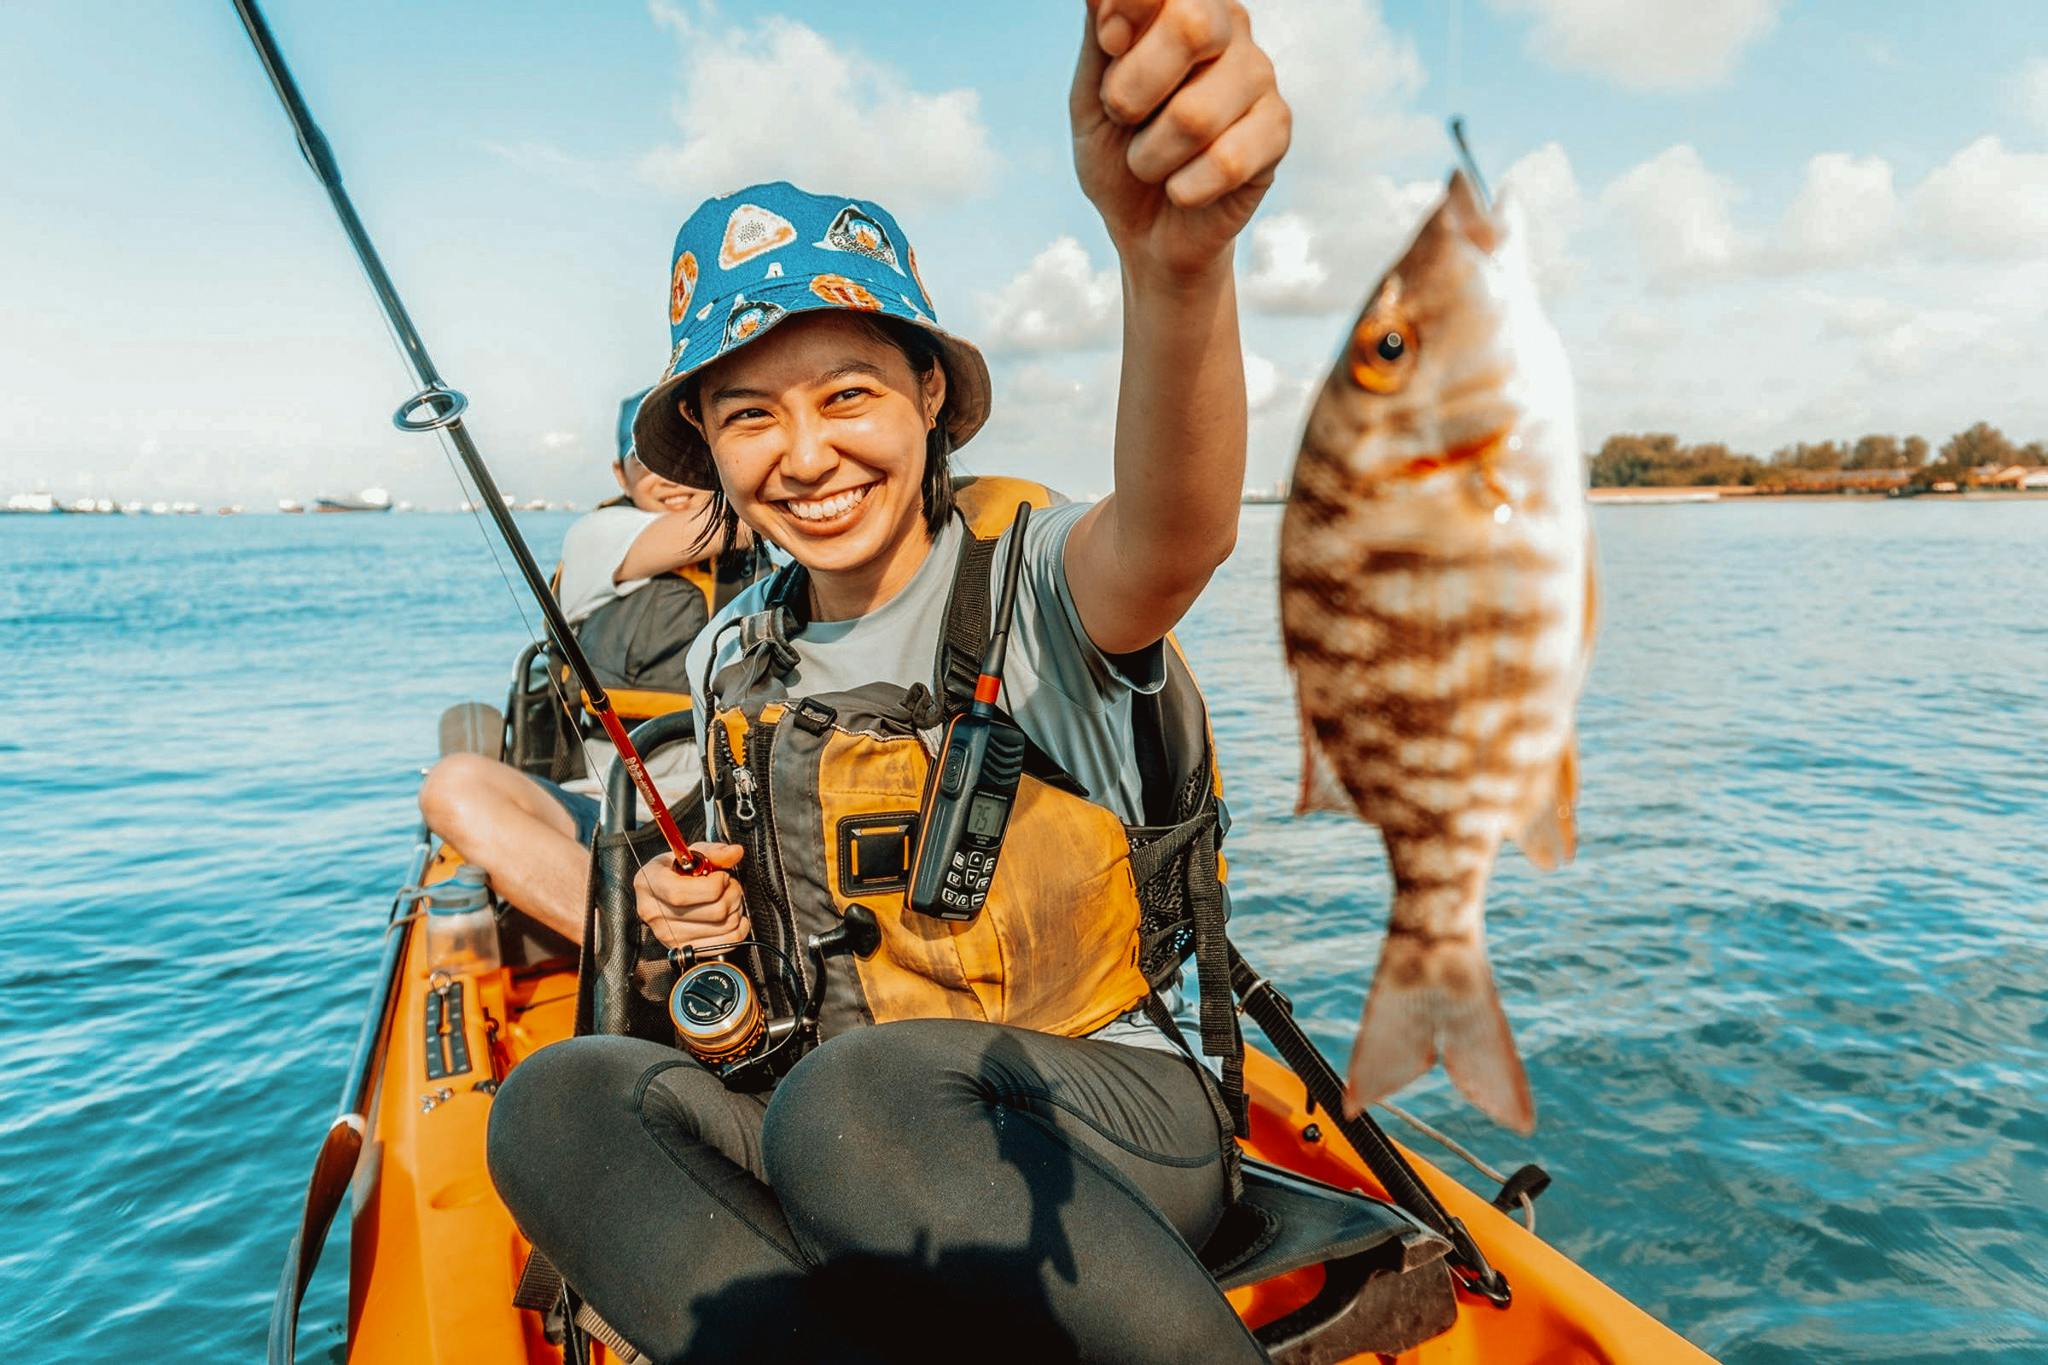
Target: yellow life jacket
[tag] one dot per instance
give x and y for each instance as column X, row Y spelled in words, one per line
column 1086, row 915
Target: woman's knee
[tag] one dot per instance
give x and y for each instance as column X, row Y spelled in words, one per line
column 879, row 1108
column 555, row 1108
column 452, row 784
column 866, row 1083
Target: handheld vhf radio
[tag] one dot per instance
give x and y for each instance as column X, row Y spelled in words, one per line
column 974, row 778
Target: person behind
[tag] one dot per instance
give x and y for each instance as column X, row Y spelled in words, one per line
column 637, row 585
column 1017, row 1162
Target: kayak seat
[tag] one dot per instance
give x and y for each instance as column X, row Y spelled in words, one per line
column 1385, row 1286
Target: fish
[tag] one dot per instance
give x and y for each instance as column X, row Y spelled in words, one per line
column 1437, row 610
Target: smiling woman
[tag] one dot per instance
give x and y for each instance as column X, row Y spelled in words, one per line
column 1065, row 1129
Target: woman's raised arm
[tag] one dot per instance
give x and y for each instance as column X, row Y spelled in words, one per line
column 1178, row 126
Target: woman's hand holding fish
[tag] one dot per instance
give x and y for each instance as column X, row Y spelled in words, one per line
column 1178, row 126
column 699, row 911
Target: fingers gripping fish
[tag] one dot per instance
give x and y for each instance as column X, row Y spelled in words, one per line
column 1436, row 600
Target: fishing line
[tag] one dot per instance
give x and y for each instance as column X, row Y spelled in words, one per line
column 474, row 496
column 1470, row 1158
column 1455, row 41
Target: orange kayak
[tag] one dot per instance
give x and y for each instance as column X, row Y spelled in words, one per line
column 435, row 1257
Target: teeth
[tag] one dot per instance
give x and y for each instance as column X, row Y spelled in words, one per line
column 824, row 509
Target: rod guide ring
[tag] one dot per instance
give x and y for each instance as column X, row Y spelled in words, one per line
column 444, row 409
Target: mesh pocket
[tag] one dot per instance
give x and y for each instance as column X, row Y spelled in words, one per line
column 1166, row 931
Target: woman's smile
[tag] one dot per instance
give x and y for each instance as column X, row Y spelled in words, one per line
column 831, row 513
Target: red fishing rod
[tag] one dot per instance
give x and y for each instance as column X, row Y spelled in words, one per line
column 436, row 407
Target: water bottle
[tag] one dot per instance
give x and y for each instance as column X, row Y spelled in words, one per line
column 462, row 932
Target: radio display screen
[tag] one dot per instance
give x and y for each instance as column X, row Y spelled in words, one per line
column 985, row 815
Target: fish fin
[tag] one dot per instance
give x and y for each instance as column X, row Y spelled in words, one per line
column 1551, row 837
column 1321, row 788
column 1431, row 997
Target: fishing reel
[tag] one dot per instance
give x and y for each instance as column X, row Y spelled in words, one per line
column 718, row 1014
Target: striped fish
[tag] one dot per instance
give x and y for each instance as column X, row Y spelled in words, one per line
column 1436, row 598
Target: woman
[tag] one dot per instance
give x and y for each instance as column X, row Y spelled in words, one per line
column 1014, row 1162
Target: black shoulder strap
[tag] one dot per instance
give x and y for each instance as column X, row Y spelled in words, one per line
column 1148, row 747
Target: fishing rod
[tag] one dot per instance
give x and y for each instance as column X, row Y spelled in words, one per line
column 437, row 407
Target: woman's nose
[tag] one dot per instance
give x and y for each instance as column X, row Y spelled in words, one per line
column 809, row 458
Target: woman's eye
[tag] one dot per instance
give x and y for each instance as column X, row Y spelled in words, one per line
column 845, row 395
column 742, row 415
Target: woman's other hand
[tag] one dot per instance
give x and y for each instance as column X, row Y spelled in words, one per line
column 687, row 911
column 1178, row 125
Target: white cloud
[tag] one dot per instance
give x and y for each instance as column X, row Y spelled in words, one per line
column 1053, row 419
column 1321, row 258
column 1659, row 45
column 558, row 440
column 1643, row 328
column 2030, row 92
column 1987, row 202
column 1926, row 344
column 1059, row 303
column 1334, row 226
column 1845, row 212
column 1679, row 214
column 1269, row 389
column 1349, row 80
column 778, row 100
column 1552, row 209
column 1284, row 275
column 1858, row 315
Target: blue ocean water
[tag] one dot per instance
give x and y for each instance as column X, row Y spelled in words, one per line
column 1786, row 1018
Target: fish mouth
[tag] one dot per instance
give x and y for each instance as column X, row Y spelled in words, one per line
column 1477, row 450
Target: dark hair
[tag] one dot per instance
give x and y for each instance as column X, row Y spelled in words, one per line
column 922, row 353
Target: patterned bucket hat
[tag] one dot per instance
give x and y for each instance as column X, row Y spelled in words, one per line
column 628, row 409
column 749, row 260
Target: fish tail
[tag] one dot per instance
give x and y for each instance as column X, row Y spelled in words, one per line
column 1431, row 997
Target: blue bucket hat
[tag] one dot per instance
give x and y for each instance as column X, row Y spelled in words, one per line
column 627, row 411
column 749, row 260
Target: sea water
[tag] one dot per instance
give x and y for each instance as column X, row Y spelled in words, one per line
column 1786, row 1018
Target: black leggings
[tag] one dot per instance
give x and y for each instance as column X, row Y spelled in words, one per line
column 929, row 1190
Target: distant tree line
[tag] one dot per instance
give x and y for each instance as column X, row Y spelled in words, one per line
column 1660, row 460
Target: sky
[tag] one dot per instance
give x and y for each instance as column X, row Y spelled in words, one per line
column 1755, row 221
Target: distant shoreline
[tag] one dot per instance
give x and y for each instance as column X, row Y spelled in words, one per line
column 1666, row 497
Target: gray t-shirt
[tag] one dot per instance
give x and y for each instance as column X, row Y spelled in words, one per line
column 1070, row 697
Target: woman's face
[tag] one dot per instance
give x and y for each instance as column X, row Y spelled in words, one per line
column 818, row 430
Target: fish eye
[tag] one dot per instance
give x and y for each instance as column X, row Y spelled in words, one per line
column 1382, row 352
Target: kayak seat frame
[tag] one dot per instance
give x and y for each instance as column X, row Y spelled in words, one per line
column 1386, row 1286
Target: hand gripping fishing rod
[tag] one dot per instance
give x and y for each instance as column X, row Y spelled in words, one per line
column 438, row 407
